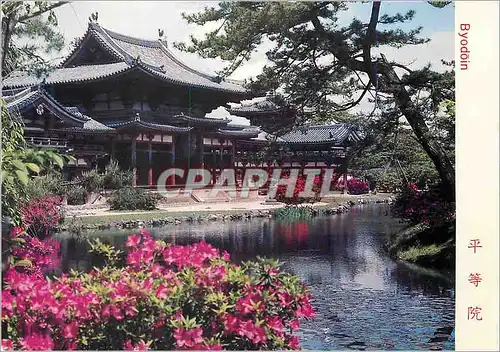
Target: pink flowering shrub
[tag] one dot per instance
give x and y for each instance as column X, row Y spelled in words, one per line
column 41, row 215
column 166, row 297
column 300, row 185
column 416, row 207
column 355, row 186
column 32, row 255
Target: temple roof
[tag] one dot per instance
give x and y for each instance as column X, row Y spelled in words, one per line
column 256, row 107
column 37, row 98
column 137, row 124
column 152, row 57
column 77, row 74
column 202, row 120
column 320, row 134
column 241, row 131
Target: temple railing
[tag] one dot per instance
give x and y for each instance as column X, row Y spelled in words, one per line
column 47, row 142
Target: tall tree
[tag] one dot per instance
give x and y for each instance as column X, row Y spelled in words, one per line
column 315, row 61
column 29, row 29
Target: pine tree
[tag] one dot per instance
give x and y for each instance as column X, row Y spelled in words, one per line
column 29, row 29
column 314, row 58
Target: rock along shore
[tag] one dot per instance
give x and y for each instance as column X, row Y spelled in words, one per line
column 331, row 209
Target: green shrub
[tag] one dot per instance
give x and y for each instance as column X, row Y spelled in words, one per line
column 295, row 212
column 51, row 184
column 76, row 195
column 116, row 178
column 132, row 199
column 91, row 180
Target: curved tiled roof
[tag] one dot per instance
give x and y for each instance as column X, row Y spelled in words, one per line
column 215, row 121
column 337, row 134
column 66, row 75
column 152, row 56
column 264, row 106
column 33, row 97
column 144, row 125
column 240, row 131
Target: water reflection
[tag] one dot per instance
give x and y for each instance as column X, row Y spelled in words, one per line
column 363, row 298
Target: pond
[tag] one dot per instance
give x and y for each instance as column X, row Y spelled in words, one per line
column 363, row 299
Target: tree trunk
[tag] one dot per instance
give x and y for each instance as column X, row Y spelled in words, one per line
column 394, row 85
column 8, row 25
column 416, row 120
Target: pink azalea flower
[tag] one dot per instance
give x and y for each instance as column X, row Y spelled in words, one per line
column 70, row 331
column 37, row 342
column 162, row 292
column 294, row 343
column 7, row 344
column 294, row 324
column 275, row 323
column 188, row 337
column 133, row 241
column 305, row 310
column 231, row 323
column 117, row 313
column 225, row 256
column 128, row 346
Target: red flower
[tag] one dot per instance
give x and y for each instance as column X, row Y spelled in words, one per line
column 70, row 331
column 188, row 337
column 294, row 324
column 162, row 292
column 133, row 241
column 305, row 310
column 275, row 323
column 231, row 323
column 37, row 342
column 7, row 344
column 294, row 343
column 225, row 256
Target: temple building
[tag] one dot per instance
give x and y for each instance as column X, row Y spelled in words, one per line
column 132, row 100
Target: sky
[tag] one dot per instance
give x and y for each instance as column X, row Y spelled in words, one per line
column 143, row 19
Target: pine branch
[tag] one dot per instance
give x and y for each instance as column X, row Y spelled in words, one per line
column 42, row 11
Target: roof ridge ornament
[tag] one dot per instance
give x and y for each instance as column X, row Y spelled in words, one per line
column 137, row 60
column 137, row 117
column 94, row 17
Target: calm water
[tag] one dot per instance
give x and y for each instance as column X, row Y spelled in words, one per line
column 363, row 299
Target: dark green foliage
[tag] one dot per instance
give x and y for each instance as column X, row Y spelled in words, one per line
column 29, row 29
column 45, row 185
column 389, row 163
column 20, row 163
column 132, row 199
column 92, row 180
column 76, row 195
column 116, row 178
column 295, row 212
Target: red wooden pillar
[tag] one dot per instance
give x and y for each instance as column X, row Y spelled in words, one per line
column 150, row 161
column 172, row 178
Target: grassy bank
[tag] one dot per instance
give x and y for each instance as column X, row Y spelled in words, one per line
column 425, row 246
column 146, row 216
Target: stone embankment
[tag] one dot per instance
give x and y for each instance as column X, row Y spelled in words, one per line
column 330, row 209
